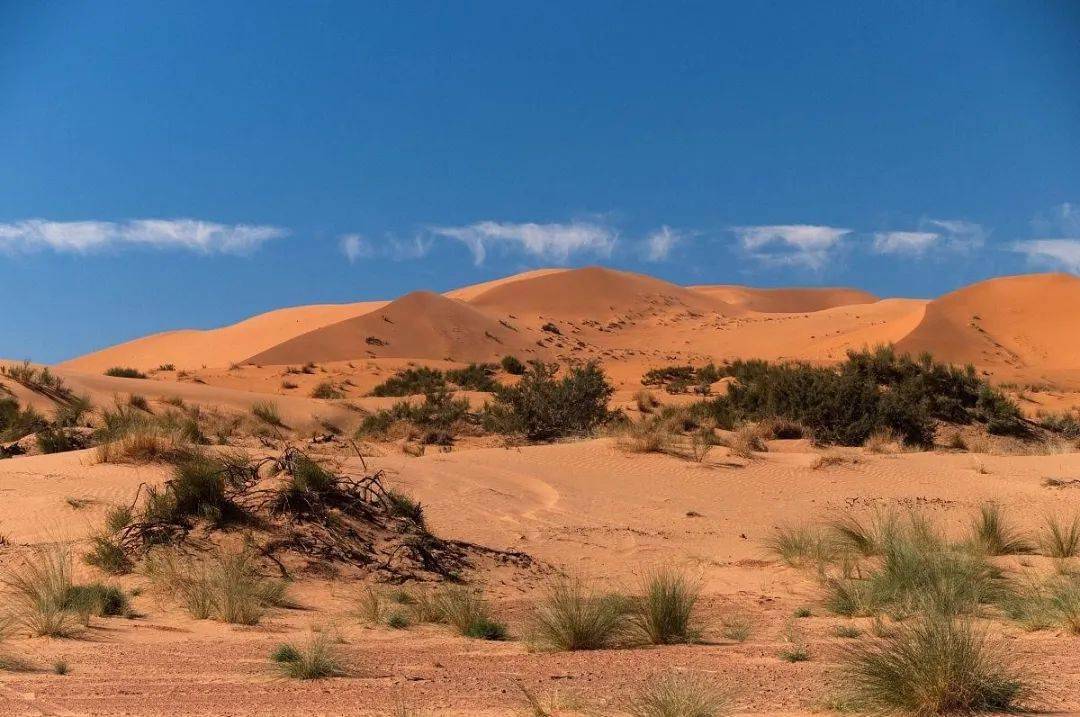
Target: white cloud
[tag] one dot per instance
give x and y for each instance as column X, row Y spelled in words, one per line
column 1055, row 253
column 790, row 244
column 1064, row 220
column 659, row 244
column 552, row 242
column 957, row 235
column 81, row 237
column 354, row 247
column 904, row 242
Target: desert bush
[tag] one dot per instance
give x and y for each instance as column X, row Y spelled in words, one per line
column 1061, row 539
column 571, row 617
column 196, row 490
column 314, row 660
column 884, row 440
column 124, row 372
column 326, row 390
column 107, row 554
column 800, row 545
column 646, row 436
column 746, row 441
column 992, row 533
column 220, row 585
column 512, row 365
column 543, row 408
column 411, row 382
column 57, row 440
column 664, row 612
column 645, row 401
column 139, row 402
column 97, row 599
column 474, row 377
column 71, row 412
column 676, row 695
column 17, row 422
column 871, row 391
column 267, row 412
column 933, row 665
column 864, row 535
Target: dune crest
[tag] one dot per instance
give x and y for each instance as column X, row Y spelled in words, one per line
column 787, row 300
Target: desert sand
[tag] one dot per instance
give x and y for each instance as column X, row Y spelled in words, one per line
column 585, row 507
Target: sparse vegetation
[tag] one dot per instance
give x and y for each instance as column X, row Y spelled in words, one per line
column 412, row 382
column 326, row 390
column 992, row 533
column 543, row 408
column 571, row 617
column 665, row 611
column 676, row 695
column 267, row 412
column 512, row 365
column 124, row 372
column 314, row 660
column 1061, row 539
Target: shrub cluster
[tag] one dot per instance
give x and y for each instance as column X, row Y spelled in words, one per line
column 871, row 391
column 423, row 380
column 124, row 372
column 683, row 379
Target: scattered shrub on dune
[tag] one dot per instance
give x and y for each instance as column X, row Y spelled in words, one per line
column 107, row 554
column 512, row 365
column 71, row 412
column 97, row 599
column 933, row 665
column 677, row 695
column 37, row 593
column 474, row 377
column 411, row 382
column 746, row 442
column 57, row 440
column 124, row 372
column 1061, row 539
column 571, row 617
column 799, row 545
column 468, row 613
column 326, row 390
column 646, row 436
column 17, row 422
column 138, row 401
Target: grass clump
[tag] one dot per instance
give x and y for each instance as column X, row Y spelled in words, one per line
column 326, row 390
column 267, row 412
column 737, row 627
column 664, row 612
column 107, row 554
column 314, row 660
column 800, row 545
column 411, row 382
column 124, row 372
column 512, row 365
column 468, row 613
column 570, row 617
column 992, row 533
column 934, row 665
column 676, row 695
column 223, row 586
column 37, row 593
column 1061, row 539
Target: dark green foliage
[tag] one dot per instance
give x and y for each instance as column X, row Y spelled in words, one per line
column 107, row 554
column 71, row 412
column 57, row 440
column 485, row 628
column 474, row 377
column 196, row 490
column 870, row 391
column 285, row 653
column 1067, row 424
column 682, row 379
column 543, row 408
column 512, row 365
column 439, row 412
column 410, row 382
column 404, row 506
column 16, row 422
column 97, row 599
column 551, row 328
column 124, row 372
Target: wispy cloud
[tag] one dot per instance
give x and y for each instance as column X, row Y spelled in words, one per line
column 911, row 243
column 790, row 244
column 355, row 247
column 957, row 235
column 1054, row 253
column 658, row 245
column 87, row 236
column 551, row 242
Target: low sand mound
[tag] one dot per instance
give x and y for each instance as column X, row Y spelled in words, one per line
column 593, row 292
column 420, row 325
column 191, row 349
column 786, row 301
column 1018, row 321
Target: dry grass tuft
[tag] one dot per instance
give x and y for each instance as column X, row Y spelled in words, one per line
column 37, row 594
column 884, row 440
column 314, row 660
column 677, row 695
column 571, row 617
column 665, row 611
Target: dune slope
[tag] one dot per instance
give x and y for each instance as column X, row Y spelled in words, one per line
column 786, row 301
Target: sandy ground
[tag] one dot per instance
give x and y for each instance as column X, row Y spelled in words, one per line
column 583, row 508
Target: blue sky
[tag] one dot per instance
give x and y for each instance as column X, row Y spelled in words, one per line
column 188, row 164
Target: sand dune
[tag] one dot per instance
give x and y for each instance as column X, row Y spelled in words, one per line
column 788, row 300
column 418, row 325
column 1030, row 321
column 191, row 349
column 594, row 293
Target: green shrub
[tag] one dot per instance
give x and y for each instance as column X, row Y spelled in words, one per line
column 474, row 377
column 97, row 599
column 933, row 665
column 992, row 533
column 544, row 408
column 267, row 412
column 16, row 422
column 1061, row 540
column 469, row 613
column 57, row 440
column 37, row 593
column 124, row 372
column 313, row 661
column 412, row 382
column 512, row 365
column 107, row 554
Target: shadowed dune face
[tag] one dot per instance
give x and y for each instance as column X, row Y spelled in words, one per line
column 1012, row 322
column 787, row 301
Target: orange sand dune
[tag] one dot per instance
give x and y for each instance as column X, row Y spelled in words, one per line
column 788, row 300
column 467, row 293
column 592, row 293
column 1013, row 322
column 418, row 325
column 191, row 349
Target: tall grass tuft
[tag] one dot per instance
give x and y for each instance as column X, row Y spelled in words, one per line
column 992, row 533
column 38, row 592
column 570, row 617
column 314, row 660
column 800, row 545
column 468, row 613
column 676, row 695
column 1060, row 539
column 933, row 665
column 664, row 613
